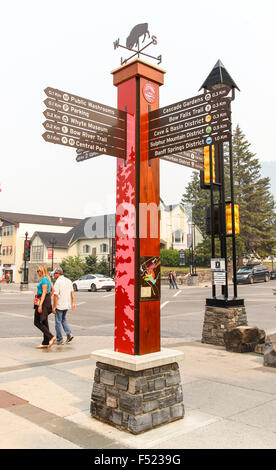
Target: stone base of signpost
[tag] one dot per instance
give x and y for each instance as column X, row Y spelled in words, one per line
column 137, row 393
column 218, row 320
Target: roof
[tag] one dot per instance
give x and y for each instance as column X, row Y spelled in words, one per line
column 170, row 207
column 61, row 239
column 100, row 226
column 16, row 217
column 218, row 75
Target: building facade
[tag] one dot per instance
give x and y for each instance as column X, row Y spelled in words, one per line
column 13, row 229
column 55, row 238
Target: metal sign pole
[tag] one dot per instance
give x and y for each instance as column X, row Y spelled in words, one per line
column 212, row 210
column 234, row 256
column 223, row 219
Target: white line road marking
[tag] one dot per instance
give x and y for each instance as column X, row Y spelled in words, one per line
column 163, row 305
column 15, row 315
column 80, row 303
column 177, row 293
column 181, row 314
column 109, row 295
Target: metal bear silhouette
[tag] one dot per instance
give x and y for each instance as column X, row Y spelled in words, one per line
column 136, row 32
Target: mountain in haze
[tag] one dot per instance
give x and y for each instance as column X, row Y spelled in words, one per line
column 269, row 169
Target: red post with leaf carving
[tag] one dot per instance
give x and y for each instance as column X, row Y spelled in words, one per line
column 137, row 292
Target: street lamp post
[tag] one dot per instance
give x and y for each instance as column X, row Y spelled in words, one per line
column 25, row 279
column 217, row 78
column 24, row 283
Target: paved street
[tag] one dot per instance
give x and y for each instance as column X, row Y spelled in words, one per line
column 182, row 312
column 229, row 398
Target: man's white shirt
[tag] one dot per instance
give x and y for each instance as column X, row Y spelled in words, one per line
column 63, row 289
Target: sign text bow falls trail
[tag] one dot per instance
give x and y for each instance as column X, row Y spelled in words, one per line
column 189, row 125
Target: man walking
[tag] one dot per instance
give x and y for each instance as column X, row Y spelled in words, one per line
column 64, row 298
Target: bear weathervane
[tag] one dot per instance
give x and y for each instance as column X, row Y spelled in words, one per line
column 133, row 40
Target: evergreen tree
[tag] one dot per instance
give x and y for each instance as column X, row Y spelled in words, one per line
column 251, row 193
column 198, row 200
column 73, row 267
column 90, row 264
column 256, row 203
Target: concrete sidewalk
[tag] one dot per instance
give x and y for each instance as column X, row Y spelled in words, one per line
column 230, row 399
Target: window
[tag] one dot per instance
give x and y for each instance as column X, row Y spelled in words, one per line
column 37, row 253
column 103, row 248
column 178, row 236
column 86, row 249
column 8, row 230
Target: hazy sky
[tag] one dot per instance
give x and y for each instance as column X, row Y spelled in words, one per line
column 69, row 45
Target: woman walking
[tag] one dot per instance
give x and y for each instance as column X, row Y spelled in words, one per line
column 43, row 307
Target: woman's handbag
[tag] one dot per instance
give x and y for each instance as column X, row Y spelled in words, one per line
column 37, row 300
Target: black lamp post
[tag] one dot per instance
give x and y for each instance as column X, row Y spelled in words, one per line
column 220, row 77
column 25, row 280
column 53, row 242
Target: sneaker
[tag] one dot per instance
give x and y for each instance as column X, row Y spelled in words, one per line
column 42, row 346
column 69, row 338
column 59, row 343
column 51, row 342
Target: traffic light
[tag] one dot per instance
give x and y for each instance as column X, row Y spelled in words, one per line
column 216, row 221
column 205, row 176
column 27, row 250
column 228, row 211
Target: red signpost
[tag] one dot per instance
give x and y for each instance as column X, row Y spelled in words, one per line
column 138, row 133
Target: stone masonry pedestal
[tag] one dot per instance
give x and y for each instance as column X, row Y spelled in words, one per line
column 137, row 393
column 218, row 320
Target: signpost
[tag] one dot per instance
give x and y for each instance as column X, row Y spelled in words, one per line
column 84, row 124
column 138, row 135
column 81, row 144
column 85, row 155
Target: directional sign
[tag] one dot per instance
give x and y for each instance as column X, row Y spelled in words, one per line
column 84, row 155
column 205, row 119
column 191, row 144
column 183, row 161
column 190, row 102
column 203, row 131
column 83, row 135
column 193, row 155
column 219, row 278
column 84, row 113
column 76, row 143
column 83, row 102
column 207, row 108
column 84, row 124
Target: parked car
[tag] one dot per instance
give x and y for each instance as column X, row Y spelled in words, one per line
column 253, row 273
column 93, row 282
column 272, row 274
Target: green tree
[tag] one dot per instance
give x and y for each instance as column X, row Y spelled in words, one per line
column 252, row 194
column 169, row 257
column 90, row 264
column 73, row 267
column 198, row 200
column 103, row 267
